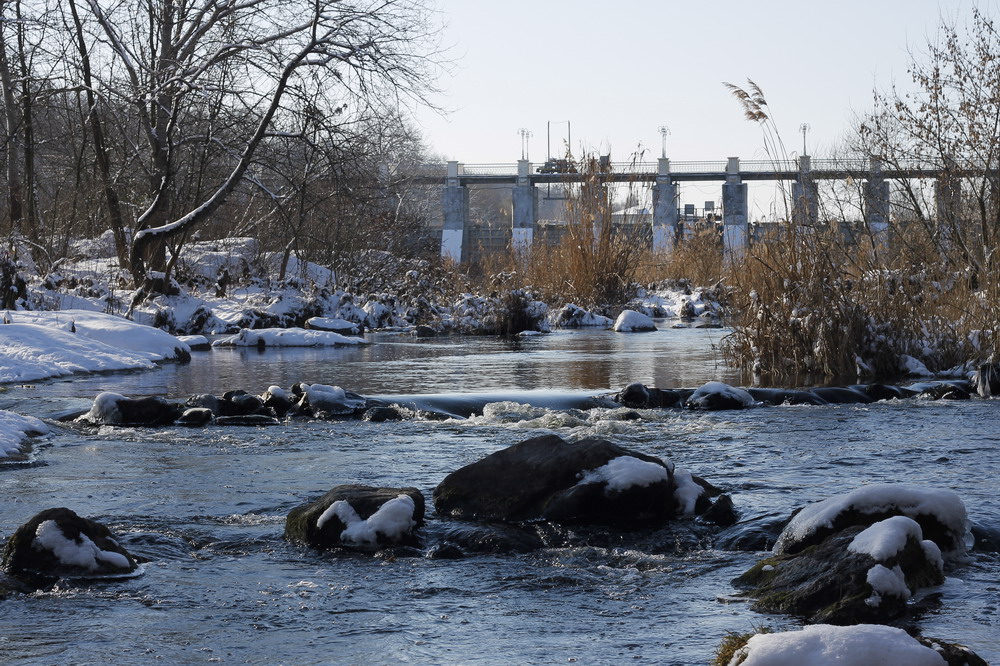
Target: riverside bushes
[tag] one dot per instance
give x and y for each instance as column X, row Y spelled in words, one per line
column 808, row 302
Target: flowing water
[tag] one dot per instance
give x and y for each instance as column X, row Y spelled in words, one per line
column 207, row 507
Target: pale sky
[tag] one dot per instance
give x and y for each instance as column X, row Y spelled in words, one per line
column 620, row 69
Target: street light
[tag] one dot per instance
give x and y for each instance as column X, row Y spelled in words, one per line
column 804, row 127
column 664, row 133
column 525, row 135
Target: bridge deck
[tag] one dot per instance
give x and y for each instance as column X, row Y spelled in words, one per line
column 646, row 172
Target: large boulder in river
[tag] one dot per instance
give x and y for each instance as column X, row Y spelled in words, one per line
column 940, row 513
column 358, row 517
column 858, row 557
column 115, row 409
column 591, row 481
column 57, row 543
column 859, row 574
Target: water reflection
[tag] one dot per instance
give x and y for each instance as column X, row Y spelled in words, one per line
column 399, row 364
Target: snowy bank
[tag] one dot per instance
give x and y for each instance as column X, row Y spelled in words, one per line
column 15, row 429
column 286, row 337
column 117, row 332
column 40, row 345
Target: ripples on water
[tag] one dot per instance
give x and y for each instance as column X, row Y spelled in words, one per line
column 207, row 508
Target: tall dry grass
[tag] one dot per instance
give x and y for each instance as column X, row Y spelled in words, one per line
column 809, row 303
column 595, row 262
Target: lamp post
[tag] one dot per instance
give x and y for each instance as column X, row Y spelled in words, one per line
column 525, row 135
column 804, row 128
column 664, row 133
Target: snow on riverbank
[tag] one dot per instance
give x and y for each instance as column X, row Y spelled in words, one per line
column 40, row 345
column 15, row 430
column 287, row 337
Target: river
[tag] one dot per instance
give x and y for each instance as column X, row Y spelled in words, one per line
column 207, row 507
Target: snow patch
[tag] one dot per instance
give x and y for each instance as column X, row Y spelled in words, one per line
column 624, row 472
column 15, row 429
column 393, row 520
column 945, row 505
column 82, row 552
column 886, row 582
column 286, row 337
column 687, row 491
column 886, row 538
column 827, row 645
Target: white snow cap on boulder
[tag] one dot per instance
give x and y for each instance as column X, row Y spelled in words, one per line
column 944, row 505
column 105, row 411
column 828, row 645
column 630, row 321
column 623, row 472
column 393, row 520
column 82, row 553
column 719, row 390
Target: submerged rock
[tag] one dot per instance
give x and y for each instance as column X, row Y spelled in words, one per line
column 775, row 396
column 57, row 543
column 639, row 396
column 358, row 517
column 591, row 481
column 490, row 539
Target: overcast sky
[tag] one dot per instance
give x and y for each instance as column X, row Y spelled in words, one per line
column 620, row 69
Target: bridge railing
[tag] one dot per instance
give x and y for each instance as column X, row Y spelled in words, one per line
column 786, row 166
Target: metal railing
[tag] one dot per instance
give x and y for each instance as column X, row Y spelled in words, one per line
column 647, row 169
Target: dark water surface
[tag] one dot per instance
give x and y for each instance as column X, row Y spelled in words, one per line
column 207, row 508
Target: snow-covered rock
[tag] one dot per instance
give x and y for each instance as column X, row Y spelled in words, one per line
column 573, row 316
column 115, row 409
column 358, row 517
column 58, row 543
column 630, row 321
column 591, row 481
column 321, row 400
column 940, row 513
column 829, row 645
column 718, row 395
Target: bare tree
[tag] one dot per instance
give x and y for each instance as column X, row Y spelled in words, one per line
column 173, row 61
column 951, row 123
